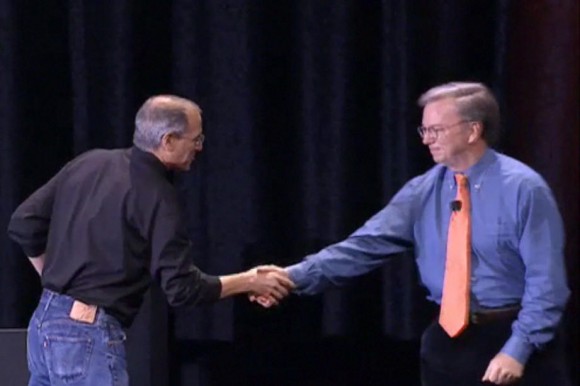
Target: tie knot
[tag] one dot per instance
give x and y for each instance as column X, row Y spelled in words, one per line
column 461, row 179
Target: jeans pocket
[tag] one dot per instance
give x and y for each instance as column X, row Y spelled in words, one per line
column 115, row 339
column 68, row 357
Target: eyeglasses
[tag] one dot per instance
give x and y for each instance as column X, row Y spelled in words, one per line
column 197, row 141
column 433, row 131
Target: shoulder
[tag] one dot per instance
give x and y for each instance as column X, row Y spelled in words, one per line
column 517, row 174
column 427, row 180
column 99, row 157
column 102, row 154
column 92, row 161
column 421, row 186
column 523, row 186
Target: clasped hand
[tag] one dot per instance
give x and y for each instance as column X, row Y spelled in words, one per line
column 270, row 284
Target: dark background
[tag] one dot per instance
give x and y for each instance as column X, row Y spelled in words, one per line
column 309, row 112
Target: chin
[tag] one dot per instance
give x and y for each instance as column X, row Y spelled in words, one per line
column 438, row 158
column 185, row 166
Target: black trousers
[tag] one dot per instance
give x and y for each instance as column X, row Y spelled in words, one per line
column 462, row 361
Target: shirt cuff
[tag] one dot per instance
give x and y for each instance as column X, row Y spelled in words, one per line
column 518, row 349
column 297, row 275
column 213, row 288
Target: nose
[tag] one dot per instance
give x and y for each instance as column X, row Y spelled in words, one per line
column 428, row 139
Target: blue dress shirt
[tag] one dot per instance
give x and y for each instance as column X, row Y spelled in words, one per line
column 517, row 245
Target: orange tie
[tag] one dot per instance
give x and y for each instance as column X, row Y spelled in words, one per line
column 454, row 315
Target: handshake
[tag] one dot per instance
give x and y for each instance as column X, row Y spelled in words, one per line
column 268, row 285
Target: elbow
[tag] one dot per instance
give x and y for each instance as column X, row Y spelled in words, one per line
column 17, row 229
column 32, row 240
column 203, row 290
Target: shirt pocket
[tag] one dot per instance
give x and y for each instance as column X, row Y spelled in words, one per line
column 506, row 235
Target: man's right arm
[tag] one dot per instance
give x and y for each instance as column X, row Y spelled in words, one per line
column 388, row 232
column 184, row 283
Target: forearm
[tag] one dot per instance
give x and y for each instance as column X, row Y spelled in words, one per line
column 336, row 264
column 388, row 232
column 38, row 263
column 539, row 319
column 546, row 291
column 235, row 284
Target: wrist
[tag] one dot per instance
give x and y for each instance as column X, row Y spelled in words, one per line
column 518, row 349
column 248, row 280
column 236, row 283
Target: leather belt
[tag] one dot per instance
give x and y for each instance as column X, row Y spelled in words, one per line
column 489, row 315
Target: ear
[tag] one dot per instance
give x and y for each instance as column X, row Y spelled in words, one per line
column 476, row 131
column 168, row 141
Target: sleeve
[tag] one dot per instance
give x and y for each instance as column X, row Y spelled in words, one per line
column 388, row 232
column 29, row 224
column 171, row 262
column 546, row 291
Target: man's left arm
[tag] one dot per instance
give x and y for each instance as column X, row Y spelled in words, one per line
column 546, row 291
column 29, row 224
column 38, row 263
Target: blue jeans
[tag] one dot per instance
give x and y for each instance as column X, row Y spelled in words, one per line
column 63, row 351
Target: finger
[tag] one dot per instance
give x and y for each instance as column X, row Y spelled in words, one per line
column 283, row 280
column 503, row 381
column 502, row 377
column 490, row 375
column 270, row 268
column 254, row 297
column 286, row 282
column 272, row 304
column 495, row 376
column 267, row 302
column 278, row 292
column 486, row 374
column 281, row 289
column 510, row 378
column 264, row 301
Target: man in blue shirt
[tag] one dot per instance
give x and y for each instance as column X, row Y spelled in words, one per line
column 518, row 287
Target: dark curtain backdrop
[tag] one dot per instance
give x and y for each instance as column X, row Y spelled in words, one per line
column 309, row 111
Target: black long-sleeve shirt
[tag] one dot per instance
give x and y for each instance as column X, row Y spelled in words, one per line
column 109, row 222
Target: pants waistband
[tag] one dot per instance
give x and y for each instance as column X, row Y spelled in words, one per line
column 489, row 315
column 65, row 303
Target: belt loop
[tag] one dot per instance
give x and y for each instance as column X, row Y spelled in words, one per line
column 49, row 300
column 51, row 296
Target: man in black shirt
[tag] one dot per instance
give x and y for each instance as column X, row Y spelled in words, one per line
column 100, row 231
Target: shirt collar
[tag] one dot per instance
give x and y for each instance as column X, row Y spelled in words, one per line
column 149, row 161
column 476, row 173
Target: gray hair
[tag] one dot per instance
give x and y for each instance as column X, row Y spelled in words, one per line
column 474, row 101
column 158, row 116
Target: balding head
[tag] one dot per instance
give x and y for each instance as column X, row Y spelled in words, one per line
column 161, row 115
